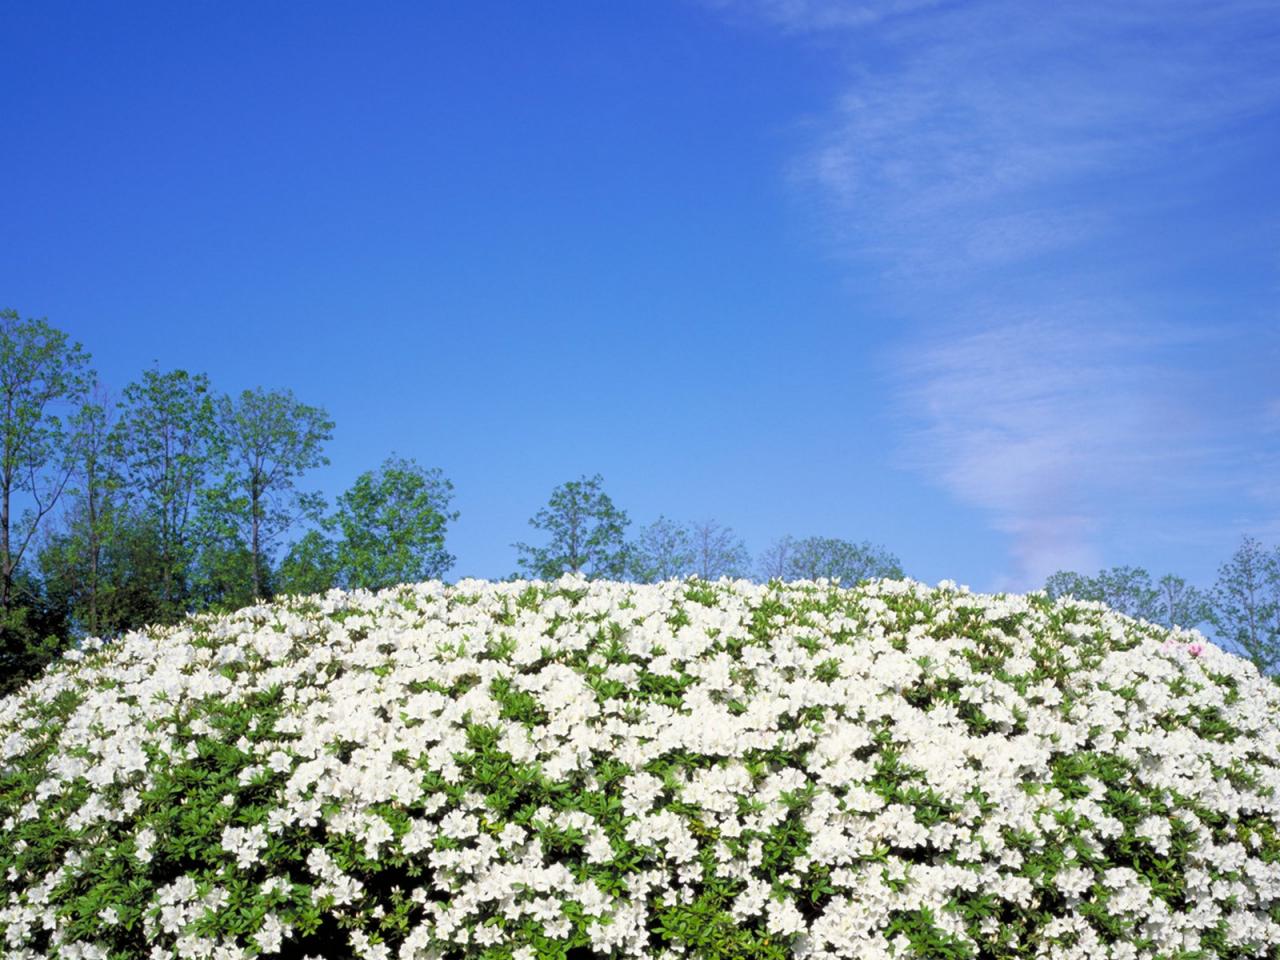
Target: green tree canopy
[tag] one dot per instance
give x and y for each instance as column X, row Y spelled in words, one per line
column 310, row 566
column 391, row 526
column 171, row 446
column 813, row 558
column 663, row 550
column 35, row 631
column 95, row 496
column 718, row 551
column 102, row 560
column 112, row 587
column 43, row 376
column 272, row 440
column 1127, row 590
column 586, row 534
column 1179, row 604
column 1246, row 604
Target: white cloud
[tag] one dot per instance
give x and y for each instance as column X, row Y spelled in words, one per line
column 807, row 16
column 989, row 159
column 1271, row 414
column 1041, row 422
column 1025, row 119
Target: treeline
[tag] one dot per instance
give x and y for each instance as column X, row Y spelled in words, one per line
column 118, row 511
column 170, row 498
column 1242, row 608
column 587, row 533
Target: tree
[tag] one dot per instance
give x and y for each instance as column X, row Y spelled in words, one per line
column 73, row 559
column 1068, row 583
column 113, row 589
column 832, row 558
column 40, row 370
column 775, row 562
column 34, row 630
column 718, row 552
column 1180, row 604
column 1246, row 604
column 170, row 445
column 391, row 526
column 663, row 550
column 220, row 570
column 310, row 566
column 272, row 439
column 97, row 481
column 1127, row 590
column 586, row 531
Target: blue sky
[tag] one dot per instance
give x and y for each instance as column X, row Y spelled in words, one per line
column 992, row 284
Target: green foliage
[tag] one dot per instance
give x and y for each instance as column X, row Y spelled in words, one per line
column 90, row 520
column 663, row 550
column 1171, row 601
column 1180, row 604
column 40, row 371
column 170, row 444
column 222, row 578
column 718, row 552
column 813, row 558
column 103, row 564
column 586, row 531
column 1127, row 589
column 1068, row 583
column 390, row 528
column 1246, row 604
column 33, row 632
column 667, row 550
column 310, row 566
column 41, row 374
column 111, row 588
column 349, row 772
column 272, row 439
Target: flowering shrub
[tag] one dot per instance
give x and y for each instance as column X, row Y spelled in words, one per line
column 559, row 770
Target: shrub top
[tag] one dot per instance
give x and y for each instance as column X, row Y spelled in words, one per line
column 685, row 769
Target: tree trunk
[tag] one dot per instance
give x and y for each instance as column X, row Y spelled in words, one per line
column 166, row 525
column 7, row 577
column 6, row 490
column 93, row 556
column 256, row 546
column 575, row 562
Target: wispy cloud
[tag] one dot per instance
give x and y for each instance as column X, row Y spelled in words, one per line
column 1271, row 413
column 993, row 161
column 1000, row 131
column 805, row 16
column 1041, row 422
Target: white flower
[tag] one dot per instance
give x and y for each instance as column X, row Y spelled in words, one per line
column 381, row 695
column 1156, row 830
column 244, row 843
column 271, row 934
column 143, row 843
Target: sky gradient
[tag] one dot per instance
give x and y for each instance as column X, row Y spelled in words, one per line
column 992, row 284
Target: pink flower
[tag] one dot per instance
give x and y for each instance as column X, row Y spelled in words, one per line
column 1195, row 649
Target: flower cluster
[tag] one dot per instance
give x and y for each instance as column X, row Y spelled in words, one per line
column 688, row 769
